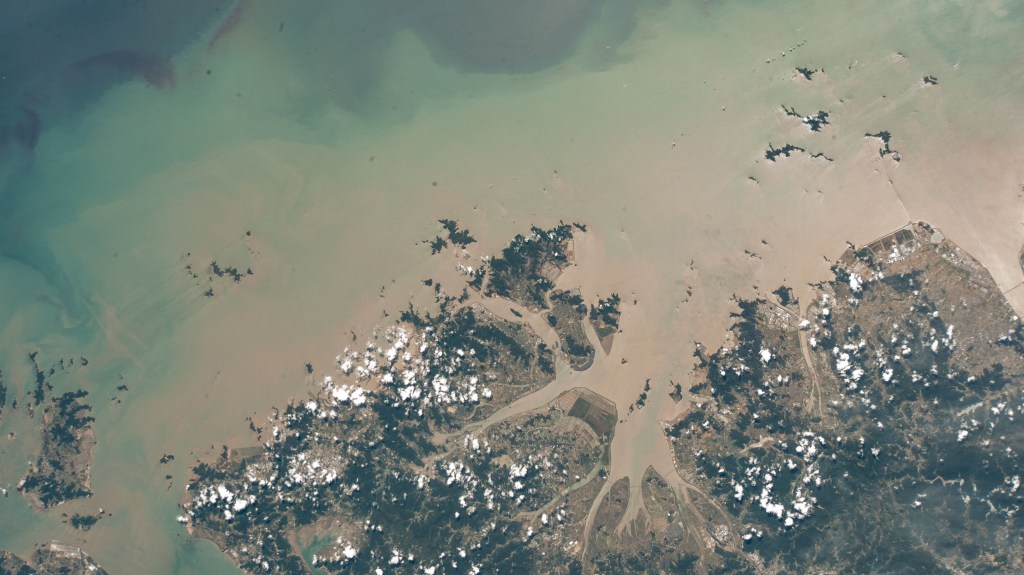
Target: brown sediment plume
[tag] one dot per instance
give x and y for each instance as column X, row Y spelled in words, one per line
column 644, row 154
column 638, row 442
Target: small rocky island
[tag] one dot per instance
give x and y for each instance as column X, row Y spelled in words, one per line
column 604, row 317
column 567, row 318
column 3, row 393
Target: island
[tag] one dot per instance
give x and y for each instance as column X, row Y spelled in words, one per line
column 61, row 472
column 51, row 558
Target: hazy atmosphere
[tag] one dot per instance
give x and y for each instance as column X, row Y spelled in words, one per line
column 314, row 146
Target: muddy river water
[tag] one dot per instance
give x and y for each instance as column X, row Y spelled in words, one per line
column 319, row 154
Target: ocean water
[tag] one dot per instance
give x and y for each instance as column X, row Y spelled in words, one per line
column 317, row 143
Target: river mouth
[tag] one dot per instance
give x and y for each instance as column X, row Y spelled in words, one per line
column 326, row 189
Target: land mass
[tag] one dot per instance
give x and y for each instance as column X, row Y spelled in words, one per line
column 52, row 558
column 61, row 472
column 883, row 411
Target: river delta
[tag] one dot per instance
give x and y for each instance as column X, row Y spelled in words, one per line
column 584, row 286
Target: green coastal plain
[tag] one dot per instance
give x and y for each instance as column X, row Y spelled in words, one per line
column 205, row 206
